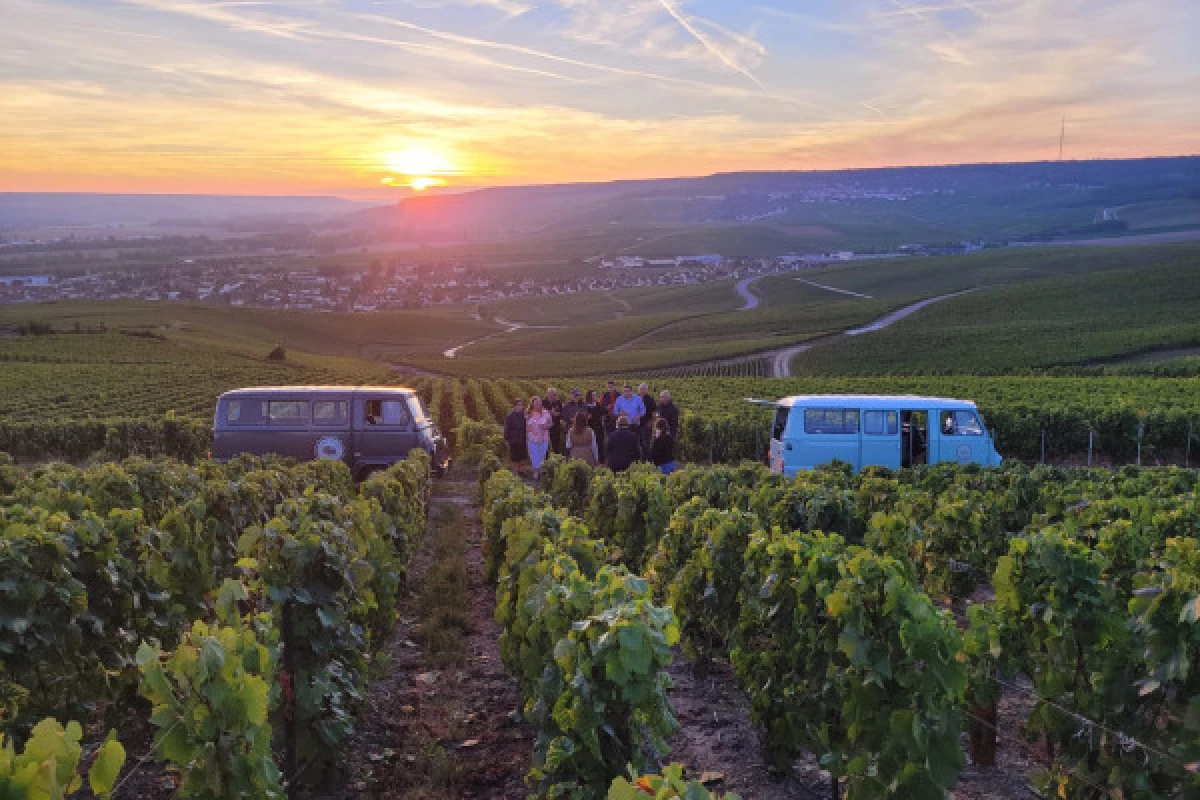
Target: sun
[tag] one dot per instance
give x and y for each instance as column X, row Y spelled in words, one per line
column 418, row 167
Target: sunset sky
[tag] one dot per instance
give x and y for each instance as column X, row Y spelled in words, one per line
column 368, row 97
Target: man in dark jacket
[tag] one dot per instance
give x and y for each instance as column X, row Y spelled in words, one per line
column 514, row 433
column 669, row 411
column 646, row 429
column 623, row 447
column 572, row 408
column 554, row 405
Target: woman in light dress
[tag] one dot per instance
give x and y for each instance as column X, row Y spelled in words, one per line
column 537, row 434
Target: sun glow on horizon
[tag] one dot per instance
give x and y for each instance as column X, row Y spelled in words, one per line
column 418, row 167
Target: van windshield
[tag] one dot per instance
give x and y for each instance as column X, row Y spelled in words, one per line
column 418, row 411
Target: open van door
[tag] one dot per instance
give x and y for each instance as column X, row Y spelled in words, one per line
column 778, row 426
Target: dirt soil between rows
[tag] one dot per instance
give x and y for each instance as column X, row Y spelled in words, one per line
column 453, row 732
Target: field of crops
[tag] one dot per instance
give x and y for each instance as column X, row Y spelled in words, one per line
column 74, row 410
column 241, row 603
column 1030, row 416
column 870, row 620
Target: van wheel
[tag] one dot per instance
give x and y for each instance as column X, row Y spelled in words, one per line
column 367, row 472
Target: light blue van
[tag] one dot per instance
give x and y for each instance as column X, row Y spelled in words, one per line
column 863, row 430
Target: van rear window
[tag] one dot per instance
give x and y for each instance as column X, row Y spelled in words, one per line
column 830, row 420
column 246, row 412
column 288, row 412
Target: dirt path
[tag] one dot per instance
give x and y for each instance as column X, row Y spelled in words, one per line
column 432, row 730
column 622, row 302
column 641, row 337
column 750, row 300
column 833, row 289
column 889, row 319
column 716, row 736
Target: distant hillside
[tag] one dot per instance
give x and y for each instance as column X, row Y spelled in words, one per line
column 36, row 208
column 861, row 208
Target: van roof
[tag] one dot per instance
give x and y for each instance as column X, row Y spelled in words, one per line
column 880, row 401
column 276, row 390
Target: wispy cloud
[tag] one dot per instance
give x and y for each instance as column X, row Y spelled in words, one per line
column 711, row 46
column 310, row 95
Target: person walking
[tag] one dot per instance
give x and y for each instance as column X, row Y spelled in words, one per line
column 669, row 411
column 646, row 428
column 662, row 447
column 538, row 423
column 622, row 446
column 629, row 406
column 514, row 434
column 597, row 420
column 581, row 441
column 554, row 407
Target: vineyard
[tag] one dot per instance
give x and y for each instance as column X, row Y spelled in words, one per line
column 123, row 396
column 232, row 608
column 875, row 621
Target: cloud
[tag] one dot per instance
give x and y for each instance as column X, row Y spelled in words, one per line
column 307, row 95
column 717, row 51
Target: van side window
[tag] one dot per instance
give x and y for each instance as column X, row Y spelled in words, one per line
column 781, row 418
column 387, row 412
column 881, row 423
column 961, row 423
column 246, row 412
column 288, row 412
column 830, row 420
column 329, row 413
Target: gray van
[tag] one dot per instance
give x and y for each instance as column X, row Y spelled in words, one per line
column 368, row 427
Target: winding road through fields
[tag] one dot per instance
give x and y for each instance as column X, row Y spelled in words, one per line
column 750, row 300
column 779, row 361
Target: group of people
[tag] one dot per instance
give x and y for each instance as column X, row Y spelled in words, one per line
column 616, row 428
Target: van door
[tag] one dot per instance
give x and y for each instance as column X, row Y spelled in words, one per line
column 383, row 429
column 778, row 428
column 881, row 443
column 962, row 438
column 914, row 442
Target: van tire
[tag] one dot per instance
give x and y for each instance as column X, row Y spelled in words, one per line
column 369, row 470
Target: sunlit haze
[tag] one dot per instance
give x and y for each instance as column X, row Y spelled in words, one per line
column 383, row 97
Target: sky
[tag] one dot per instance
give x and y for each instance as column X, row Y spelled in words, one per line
column 369, row 98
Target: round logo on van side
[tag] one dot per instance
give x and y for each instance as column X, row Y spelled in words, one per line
column 330, row 448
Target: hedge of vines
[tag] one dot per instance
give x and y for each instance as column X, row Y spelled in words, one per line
column 241, row 600
column 831, row 594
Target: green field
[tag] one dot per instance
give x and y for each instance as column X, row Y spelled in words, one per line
column 1033, row 309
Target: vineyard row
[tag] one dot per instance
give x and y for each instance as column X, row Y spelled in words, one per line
column 243, row 601
column 1111, row 420
column 833, row 597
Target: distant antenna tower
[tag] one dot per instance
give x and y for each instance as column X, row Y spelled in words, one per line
column 1062, row 137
